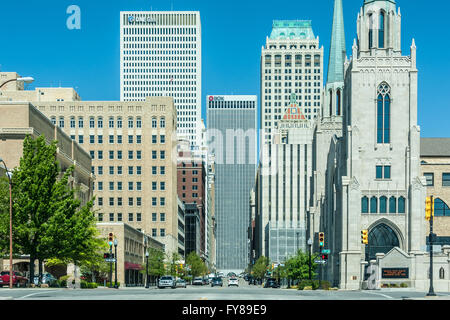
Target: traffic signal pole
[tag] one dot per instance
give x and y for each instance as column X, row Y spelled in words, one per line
column 431, row 291
column 110, row 268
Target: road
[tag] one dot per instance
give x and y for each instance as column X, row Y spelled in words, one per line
column 243, row 292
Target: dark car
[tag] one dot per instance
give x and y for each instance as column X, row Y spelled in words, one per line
column 271, row 283
column 216, row 281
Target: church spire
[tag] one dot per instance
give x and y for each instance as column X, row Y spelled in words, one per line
column 337, row 48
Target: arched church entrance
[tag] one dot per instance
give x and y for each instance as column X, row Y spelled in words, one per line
column 381, row 240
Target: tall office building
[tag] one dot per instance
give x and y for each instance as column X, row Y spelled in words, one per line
column 291, row 62
column 232, row 138
column 160, row 55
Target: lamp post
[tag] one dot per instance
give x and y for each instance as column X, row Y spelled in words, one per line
column 146, row 270
column 9, row 174
column 431, row 290
column 24, row 79
column 309, row 252
column 115, row 264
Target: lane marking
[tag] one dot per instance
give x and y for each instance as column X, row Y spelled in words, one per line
column 380, row 294
column 32, row 294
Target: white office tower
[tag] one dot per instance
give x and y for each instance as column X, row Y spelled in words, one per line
column 291, row 62
column 160, row 55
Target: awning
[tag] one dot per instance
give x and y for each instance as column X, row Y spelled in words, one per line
column 133, row 266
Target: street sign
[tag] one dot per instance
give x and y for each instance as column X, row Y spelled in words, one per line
column 320, row 261
column 110, row 260
column 326, row 251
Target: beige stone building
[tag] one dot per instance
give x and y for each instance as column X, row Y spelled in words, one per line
column 19, row 119
column 132, row 145
column 131, row 248
column 435, row 165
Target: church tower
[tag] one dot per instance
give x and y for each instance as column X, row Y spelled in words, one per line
column 378, row 184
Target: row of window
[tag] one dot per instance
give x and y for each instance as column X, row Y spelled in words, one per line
column 380, row 205
column 119, row 170
column 194, row 195
column 430, row 179
column 112, row 140
column 119, row 202
column 112, row 122
column 119, row 217
column 119, row 155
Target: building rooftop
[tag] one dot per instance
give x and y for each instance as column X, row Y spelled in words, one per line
column 292, row 29
column 435, row 147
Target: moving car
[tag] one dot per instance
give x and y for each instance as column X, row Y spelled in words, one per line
column 233, row 282
column 18, row 279
column 271, row 283
column 167, row 282
column 216, row 281
column 181, row 283
column 198, row 281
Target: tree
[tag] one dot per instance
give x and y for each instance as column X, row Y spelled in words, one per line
column 173, row 261
column 155, row 263
column 4, row 216
column 297, row 267
column 196, row 264
column 260, row 267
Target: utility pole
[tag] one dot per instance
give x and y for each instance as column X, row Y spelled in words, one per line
column 429, row 214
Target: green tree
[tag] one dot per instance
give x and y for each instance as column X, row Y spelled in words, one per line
column 173, row 262
column 4, row 216
column 155, row 263
column 196, row 264
column 297, row 267
column 260, row 267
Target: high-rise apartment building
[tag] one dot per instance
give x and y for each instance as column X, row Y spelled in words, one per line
column 232, row 139
column 291, row 62
column 160, row 55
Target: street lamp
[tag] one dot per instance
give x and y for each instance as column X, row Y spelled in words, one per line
column 9, row 174
column 309, row 251
column 22, row 79
column 115, row 256
column 146, row 271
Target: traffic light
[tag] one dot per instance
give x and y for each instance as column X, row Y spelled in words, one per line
column 321, row 239
column 365, row 236
column 324, row 257
column 106, row 255
column 429, row 208
column 110, row 238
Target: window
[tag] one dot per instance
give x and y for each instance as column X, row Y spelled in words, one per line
column 154, row 186
column 365, row 205
column 100, row 122
column 119, row 185
column 154, row 170
column 111, row 202
column 440, row 208
column 138, row 154
column 387, row 172
column 446, row 179
column 100, row 186
column 100, row 139
column 383, row 114
column 130, row 155
column 138, row 170
column 373, row 205
column 383, row 204
column 80, row 122
column 162, row 122
column 119, row 169
column 111, row 139
column 379, row 173
column 100, row 217
column 100, row 170
column 138, row 122
column 119, row 201
column 130, row 217
column 111, row 217
column 130, row 186
column 111, row 122
column 154, row 123
column 154, row 201
column 138, row 186
column 119, row 217
column 163, row 155
column 72, row 122
column 162, row 186
column 130, row 139
column 162, row 201
column 119, row 154
column 154, row 216
column 119, row 139
column 130, row 170
column 393, row 205
column 154, row 139
column 162, row 232
column 80, row 139
column 371, row 26
column 91, row 122
column 91, row 139
column 138, row 201
column 163, row 138
column 430, row 179
column 401, row 205
column 130, row 122
column 163, row 170
column 195, row 195
column 111, row 154
column 111, row 186
column 138, row 217
column 162, row 217
column 100, row 201
column 154, row 232
column 138, row 139
column 381, row 31
column 119, row 122
column 130, row 201
column 154, row 155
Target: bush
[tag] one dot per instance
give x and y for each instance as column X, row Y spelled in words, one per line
column 403, row 285
column 88, row 285
column 314, row 284
column 308, row 288
column 325, row 285
column 107, row 284
column 62, row 282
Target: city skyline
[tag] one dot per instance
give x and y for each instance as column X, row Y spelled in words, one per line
column 237, row 56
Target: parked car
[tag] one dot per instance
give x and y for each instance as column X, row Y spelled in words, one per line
column 233, row 281
column 18, row 279
column 205, row 281
column 216, row 281
column 271, row 283
column 47, row 278
column 181, row 283
column 167, row 282
column 198, row 281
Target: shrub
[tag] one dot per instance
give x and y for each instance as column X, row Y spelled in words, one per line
column 308, row 288
column 403, row 285
column 62, row 282
column 394, row 285
column 88, row 285
column 107, row 284
column 325, row 285
column 314, row 284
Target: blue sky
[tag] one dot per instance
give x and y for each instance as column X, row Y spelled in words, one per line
column 36, row 42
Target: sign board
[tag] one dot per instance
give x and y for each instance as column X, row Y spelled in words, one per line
column 110, row 260
column 320, row 261
column 326, row 251
column 395, row 273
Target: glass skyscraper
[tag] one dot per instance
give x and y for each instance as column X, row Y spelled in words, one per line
column 232, row 138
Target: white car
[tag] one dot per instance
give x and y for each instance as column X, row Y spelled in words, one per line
column 233, row 282
column 167, row 282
